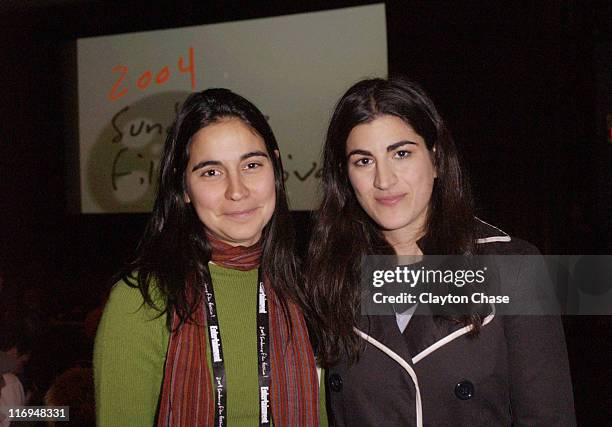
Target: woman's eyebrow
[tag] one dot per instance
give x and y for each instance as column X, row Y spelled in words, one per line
column 399, row 144
column 358, row 151
column 253, row 154
column 205, row 163
column 391, row 147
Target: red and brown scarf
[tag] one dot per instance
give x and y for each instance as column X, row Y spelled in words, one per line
column 187, row 398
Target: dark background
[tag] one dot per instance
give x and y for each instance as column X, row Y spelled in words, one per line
column 524, row 86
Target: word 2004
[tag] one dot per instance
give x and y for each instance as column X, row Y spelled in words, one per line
column 146, row 78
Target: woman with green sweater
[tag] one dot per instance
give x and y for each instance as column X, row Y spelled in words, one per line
column 203, row 328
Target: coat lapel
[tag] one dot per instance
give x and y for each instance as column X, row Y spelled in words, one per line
column 425, row 329
column 422, row 331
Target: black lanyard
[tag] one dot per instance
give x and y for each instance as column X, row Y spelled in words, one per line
column 218, row 365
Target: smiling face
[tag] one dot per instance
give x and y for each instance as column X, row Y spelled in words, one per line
column 230, row 181
column 392, row 173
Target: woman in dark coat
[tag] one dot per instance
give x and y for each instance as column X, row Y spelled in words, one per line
column 393, row 185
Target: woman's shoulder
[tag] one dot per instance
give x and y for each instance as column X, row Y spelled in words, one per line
column 492, row 240
column 10, row 379
column 11, row 393
column 127, row 297
column 127, row 318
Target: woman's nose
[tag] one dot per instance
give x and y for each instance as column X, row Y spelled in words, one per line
column 385, row 176
column 236, row 189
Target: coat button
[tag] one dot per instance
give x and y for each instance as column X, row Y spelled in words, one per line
column 464, row 390
column 335, row 382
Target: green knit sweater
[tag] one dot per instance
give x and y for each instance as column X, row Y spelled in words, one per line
column 131, row 344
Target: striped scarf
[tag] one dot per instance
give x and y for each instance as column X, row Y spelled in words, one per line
column 187, row 398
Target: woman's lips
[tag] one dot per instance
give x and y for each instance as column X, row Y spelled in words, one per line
column 242, row 214
column 390, row 200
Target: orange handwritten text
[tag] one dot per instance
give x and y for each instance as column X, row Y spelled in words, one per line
column 144, row 80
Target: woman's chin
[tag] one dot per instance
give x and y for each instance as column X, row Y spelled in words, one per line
column 241, row 239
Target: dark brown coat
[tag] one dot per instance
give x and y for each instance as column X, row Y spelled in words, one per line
column 515, row 372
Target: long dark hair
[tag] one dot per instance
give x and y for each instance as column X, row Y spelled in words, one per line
column 173, row 254
column 344, row 233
